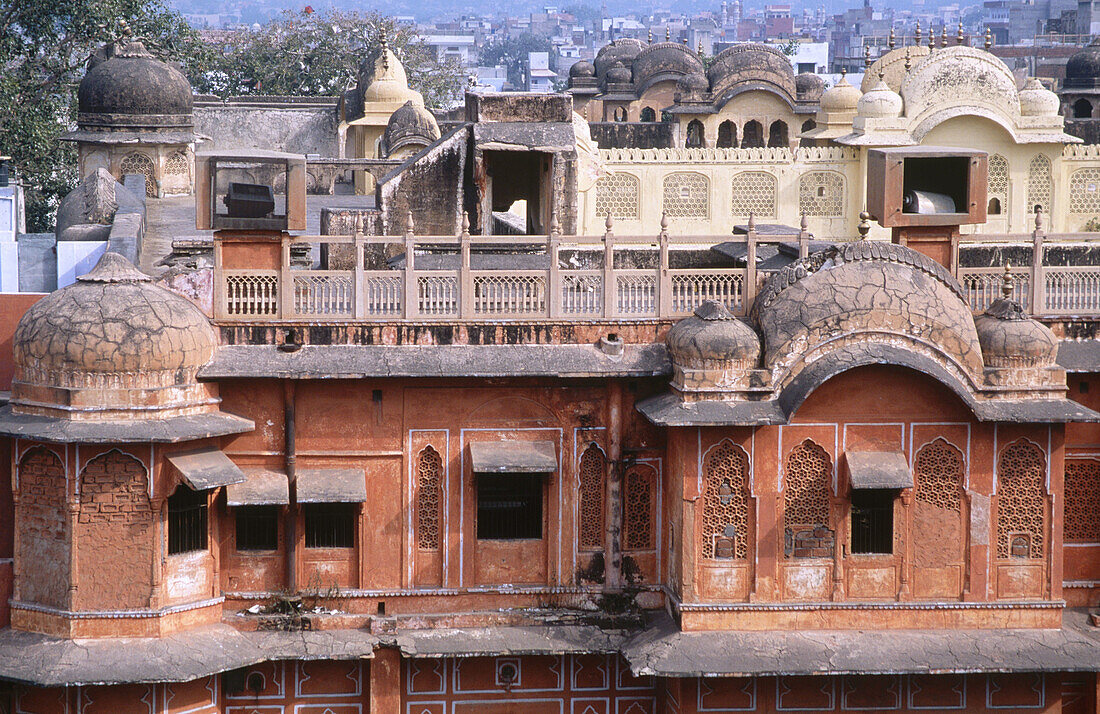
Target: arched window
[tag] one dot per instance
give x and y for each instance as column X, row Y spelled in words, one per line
column 429, row 489
column 638, row 507
column 1082, row 501
column 177, row 165
column 753, row 136
column 1082, row 109
column 42, row 517
column 617, row 194
column 777, row 134
column 592, row 472
column 1084, row 191
column 807, row 526
column 695, row 134
column 725, row 531
column 997, row 184
column 821, row 193
column 808, row 125
column 939, row 532
column 1021, row 502
column 686, row 195
column 727, row 135
column 140, row 164
column 648, row 114
column 754, row 192
column 620, row 114
column 1039, row 184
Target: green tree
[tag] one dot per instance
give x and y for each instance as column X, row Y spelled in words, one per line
column 512, row 53
column 44, row 45
column 318, row 54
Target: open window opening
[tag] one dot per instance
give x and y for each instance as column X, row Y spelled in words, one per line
column 519, row 190
column 509, row 506
column 873, row 521
column 257, row 528
column 330, row 525
column 186, row 521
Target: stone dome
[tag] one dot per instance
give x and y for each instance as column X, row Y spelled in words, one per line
column 881, row 101
column 664, row 60
column 111, row 343
column 410, row 124
column 132, row 89
column 382, row 80
column 892, row 67
column 693, row 83
column 623, row 50
column 582, row 68
column 1083, row 68
column 1009, row 338
column 960, row 79
column 619, row 74
column 840, row 98
column 809, row 86
column 864, row 302
column 1037, row 100
column 751, row 62
column 711, row 335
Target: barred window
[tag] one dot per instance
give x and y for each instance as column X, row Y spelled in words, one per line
column 1021, row 508
column 997, row 189
column 726, row 503
column 1082, row 519
column 176, row 165
column 806, row 502
column 1039, row 184
column 821, row 193
column 939, row 475
column 186, row 521
column 330, row 525
column 592, row 469
column 1084, row 191
column 257, row 527
column 638, row 508
column 687, row 195
column 617, row 194
column 140, row 164
column 754, row 192
column 429, row 480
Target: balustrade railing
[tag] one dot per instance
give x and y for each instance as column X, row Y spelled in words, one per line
column 588, row 284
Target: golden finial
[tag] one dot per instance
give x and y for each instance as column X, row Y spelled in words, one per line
column 916, row 34
column 867, row 55
column 685, row 40
column 700, row 50
column 1006, row 281
column 893, row 40
column 843, row 72
column 908, row 61
column 931, row 40
column 649, row 36
column 385, row 53
column 960, row 38
column 943, row 35
column 668, row 33
column 864, row 225
column 988, row 39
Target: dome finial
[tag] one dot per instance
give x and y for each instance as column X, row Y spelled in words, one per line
column 649, row 36
column 988, row 39
column 668, row 34
column 843, row 73
column 893, row 40
column 867, row 55
column 864, row 224
column 916, row 34
column 943, row 35
column 1007, row 281
column 908, row 61
column 960, row 38
column 931, row 39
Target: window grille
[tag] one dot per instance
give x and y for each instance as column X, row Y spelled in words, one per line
column 593, row 467
column 330, row 525
column 754, row 192
column 617, row 194
column 1084, row 191
column 686, row 195
column 257, row 527
column 821, row 193
column 726, row 503
column 428, row 490
column 997, row 189
column 1021, row 508
column 186, row 521
column 638, row 508
column 806, row 501
column 1039, row 184
column 176, row 165
column 1082, row 501
column 873, row 522
column 138, row 163
column 939, row 475
column 509, row 506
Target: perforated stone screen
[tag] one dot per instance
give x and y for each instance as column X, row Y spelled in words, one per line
column 638, row 508
column 138, row 163
column 429, row 481
column 939, row 475
column 1039, row 184
column 1084, row 191
column 998, row 181
column 821, row 193
column 686, row 195
column 754, row 192
column 1082, row 502
column 592, row 469
column 618, row 194
column 1021, row 508
column 725, row 503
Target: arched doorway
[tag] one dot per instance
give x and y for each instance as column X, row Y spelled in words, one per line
column 727, row 135
column 753, row 137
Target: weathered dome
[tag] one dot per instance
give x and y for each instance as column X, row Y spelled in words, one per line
column 1037, row 100
column 582, row 68
column 840, row 98
column 809, row 86
column 751, row 63
column 410, row 124
column 1083, row 68
column 693, row 83
column 881, row 101
column 623, row 50
column 1009, row 338
column 382, row 79
column 893, row 66
column 960, row 79
column 133, row 89
column 662, row 61
column 712, row 335
column 110, row 342
column 619, row 74
column 866, row 302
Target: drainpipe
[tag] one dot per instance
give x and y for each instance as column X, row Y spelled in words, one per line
column 291, row 467
column 613, row 560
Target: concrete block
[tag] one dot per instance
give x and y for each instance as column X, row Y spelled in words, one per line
column 75, row 258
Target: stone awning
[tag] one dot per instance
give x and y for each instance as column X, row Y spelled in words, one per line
column 261, row 487
column 204, row 469
column 331, row 486
column 878, row 469
column 513, row 457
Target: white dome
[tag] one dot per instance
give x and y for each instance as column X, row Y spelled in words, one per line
column 841, row 97
column 881, row 101
column 1037, row 100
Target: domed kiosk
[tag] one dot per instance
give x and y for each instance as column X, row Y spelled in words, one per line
column 410, row 129
column 134, row 116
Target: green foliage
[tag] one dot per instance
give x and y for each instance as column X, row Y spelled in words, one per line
column 318, row 54
column 43, row 48
column 512, row 53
